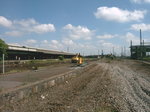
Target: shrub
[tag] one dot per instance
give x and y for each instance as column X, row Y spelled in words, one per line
column 33, row 65
column 61, row 58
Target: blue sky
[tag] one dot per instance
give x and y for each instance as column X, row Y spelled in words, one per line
column 84, row 26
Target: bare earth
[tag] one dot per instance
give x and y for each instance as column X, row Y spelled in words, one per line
column 13, row 80
column 103, row 86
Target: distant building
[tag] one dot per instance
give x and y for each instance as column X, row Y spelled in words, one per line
column 24, row 53
column 139, row 51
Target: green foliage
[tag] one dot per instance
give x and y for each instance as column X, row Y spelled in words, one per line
column 33, row 65
column 3, row 48
column 146, row 58
column 61, row 58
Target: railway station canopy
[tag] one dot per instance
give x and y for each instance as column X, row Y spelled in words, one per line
column 24, row 53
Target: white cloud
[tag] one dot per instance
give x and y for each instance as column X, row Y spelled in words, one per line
column 5, row 22
column 31, row 25
column 86, row 48
column 26, row 22
column 108, row 47
column 31, row 41
column 83, row 48
column 106, row 36
column 78, row 32
column 15, row 44
column 142, row 26
column 14, row 33
column 68, row 44
column 141, row 1
column 25, row 26
column 55, row 45
column 67, row 41
column 68, row 26
column 43, row 28
column 107, row 44
column 119, row 15
column 44, row 41
column 129, row 36
column 51, row 45
column 101, row 41
column 54, row 42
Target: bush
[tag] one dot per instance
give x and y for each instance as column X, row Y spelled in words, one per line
column 33, row 65
column 3, row 48
column 61, row 58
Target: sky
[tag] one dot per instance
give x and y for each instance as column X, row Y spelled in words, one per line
column 77, row 26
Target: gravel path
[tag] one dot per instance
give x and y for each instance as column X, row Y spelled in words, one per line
column 133, row 84
column 103, row 86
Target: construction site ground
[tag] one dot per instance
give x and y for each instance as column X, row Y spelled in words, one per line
column 12, row 80
column 101, row 86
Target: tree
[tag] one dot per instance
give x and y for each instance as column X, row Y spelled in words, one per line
column 61, row 58
column 3, row 48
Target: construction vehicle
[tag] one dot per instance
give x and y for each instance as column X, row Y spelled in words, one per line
column 78, row 59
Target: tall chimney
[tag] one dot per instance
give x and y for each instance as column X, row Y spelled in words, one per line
column 140, row 38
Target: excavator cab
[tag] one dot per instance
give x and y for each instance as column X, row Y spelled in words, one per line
column 78, row 59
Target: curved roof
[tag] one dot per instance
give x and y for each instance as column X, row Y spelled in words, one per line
column 29, row 49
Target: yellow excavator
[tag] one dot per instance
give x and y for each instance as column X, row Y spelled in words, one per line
column 78, row 59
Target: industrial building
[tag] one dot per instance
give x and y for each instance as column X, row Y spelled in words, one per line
column 24, row 53
column 140, row 51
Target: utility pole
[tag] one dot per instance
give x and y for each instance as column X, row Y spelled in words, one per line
column 98, row 53
column 113, row 51
column 68, row 49
column 124, row 51
column 140, row 44
column 102, row 54
column 121, row 51
column 3, row 64
column 144, row 50
column 131, row 48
